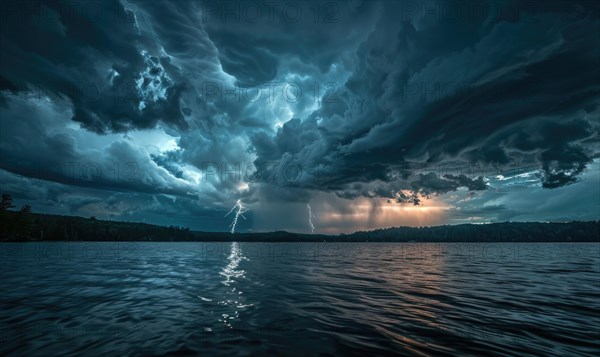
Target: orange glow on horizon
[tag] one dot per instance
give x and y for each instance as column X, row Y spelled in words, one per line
column 368, row 214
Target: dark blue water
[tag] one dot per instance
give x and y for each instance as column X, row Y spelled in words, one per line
column 299, row 299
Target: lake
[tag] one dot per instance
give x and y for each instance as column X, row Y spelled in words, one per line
column 299, row 299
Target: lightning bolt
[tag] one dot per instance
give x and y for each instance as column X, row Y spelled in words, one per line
column 239, row 212
column 310, row 215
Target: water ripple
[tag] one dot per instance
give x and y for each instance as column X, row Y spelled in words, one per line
column 299, row 298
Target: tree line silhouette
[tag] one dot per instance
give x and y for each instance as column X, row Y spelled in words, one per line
column 19, row 224
column 24, row 225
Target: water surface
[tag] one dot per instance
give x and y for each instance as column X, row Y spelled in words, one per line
column 299, row 298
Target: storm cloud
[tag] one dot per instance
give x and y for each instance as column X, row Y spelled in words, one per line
column 175, row 110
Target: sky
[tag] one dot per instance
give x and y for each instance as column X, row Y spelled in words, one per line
column 373, row 114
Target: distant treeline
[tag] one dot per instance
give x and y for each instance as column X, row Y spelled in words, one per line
column 24, row 225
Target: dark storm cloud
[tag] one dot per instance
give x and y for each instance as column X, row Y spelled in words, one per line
column 57, row 198
column 88, row 52
column 245, row 61
column 497, row 213
column 112, row 68
column 487, row 90
column 256, row 40
column 35, row 144
column 391, row 91
column 168, row 160
column 525, row 200
column 412, row 197
column 431, row 183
